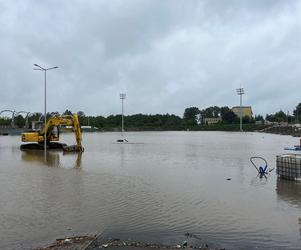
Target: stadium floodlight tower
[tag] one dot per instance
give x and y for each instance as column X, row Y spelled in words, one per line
column 122, row 97
column 240, row 92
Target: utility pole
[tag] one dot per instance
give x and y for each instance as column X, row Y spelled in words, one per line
column 240, row 92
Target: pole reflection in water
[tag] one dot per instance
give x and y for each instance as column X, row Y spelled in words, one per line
column 299, row 222
column 52, row 158
column 122, row 156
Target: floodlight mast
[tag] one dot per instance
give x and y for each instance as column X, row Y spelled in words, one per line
column 122, row 97
column 45, row 119
column 240, row 92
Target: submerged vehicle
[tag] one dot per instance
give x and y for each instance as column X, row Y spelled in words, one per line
column 51, row 131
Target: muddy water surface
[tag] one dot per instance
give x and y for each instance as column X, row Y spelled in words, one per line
column 157, row 188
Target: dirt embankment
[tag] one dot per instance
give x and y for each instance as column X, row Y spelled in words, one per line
column 283, row 130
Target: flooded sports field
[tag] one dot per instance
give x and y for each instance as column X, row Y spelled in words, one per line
column 157, row 188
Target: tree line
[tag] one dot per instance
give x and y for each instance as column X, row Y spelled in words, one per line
column 193, row 118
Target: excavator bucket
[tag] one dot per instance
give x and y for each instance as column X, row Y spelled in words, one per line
column 73, row 148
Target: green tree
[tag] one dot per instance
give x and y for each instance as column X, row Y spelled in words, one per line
column 98, row 121
column 248, row 119
column 211, row 112
column 67, row 112
column 81, row 117
column 297, row 113
column 191, row 115
column 19, row 121
column 259, row 118
column 81, row 113
column 280, row 116
column 277, row 117
column 270, row 117
column 228, row 116
column 5, row 121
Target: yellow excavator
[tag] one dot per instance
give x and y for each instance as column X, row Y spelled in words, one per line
column 52, row 131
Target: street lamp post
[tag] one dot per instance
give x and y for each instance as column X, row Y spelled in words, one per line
column 240, row 92
column 45, row 119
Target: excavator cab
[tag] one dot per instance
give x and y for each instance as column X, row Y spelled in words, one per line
column 55, row 133
column 37, row 125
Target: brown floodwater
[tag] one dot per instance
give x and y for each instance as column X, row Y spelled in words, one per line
column 156, row 188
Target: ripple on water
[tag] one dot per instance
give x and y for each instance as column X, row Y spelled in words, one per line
column 172, row 184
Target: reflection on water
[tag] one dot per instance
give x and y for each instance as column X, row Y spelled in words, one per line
column 259, row 180
column 175, row 182
column 78, row 162
column 289, row 191
column 52, row 157
column 299, row 222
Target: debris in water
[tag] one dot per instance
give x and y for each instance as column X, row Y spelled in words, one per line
column 116, row 243
column 67, row 241
column 70, row 243
column 188, row 235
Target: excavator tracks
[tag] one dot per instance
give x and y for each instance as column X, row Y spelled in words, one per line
column 40, row 146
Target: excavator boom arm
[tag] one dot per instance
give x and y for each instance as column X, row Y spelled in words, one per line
column 77, row 131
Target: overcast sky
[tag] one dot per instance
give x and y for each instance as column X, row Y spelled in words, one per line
column 165, row 55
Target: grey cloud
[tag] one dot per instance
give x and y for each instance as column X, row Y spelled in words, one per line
column 166, row 55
